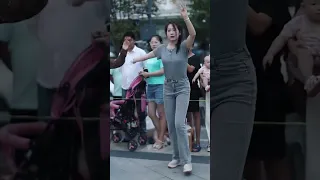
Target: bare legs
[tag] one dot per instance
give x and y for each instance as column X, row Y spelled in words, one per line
column 195, row 116
column 159, row 122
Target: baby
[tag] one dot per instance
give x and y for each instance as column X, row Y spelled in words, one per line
column 205, row 72
column 306, row 29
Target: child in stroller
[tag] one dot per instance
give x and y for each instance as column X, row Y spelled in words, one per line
column 126, row 123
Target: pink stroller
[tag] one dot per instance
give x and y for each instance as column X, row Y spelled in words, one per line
column 126, row 121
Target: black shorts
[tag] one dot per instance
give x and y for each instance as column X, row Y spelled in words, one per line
column 194, row 100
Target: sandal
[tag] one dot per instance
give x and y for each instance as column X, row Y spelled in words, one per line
column 158, row 145
column 196, row 148
column 167, row 140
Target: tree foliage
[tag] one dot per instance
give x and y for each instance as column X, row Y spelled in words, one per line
column 200, row 15
column 125, row 15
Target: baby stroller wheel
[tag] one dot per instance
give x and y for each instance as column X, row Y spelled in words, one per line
column 116, row 137
column 132, row 145
column 142, row 139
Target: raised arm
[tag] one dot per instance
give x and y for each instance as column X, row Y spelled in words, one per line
column 191, row 30
column 121, row 58
column 156, row 73
column 144, row 57
column 119, row 61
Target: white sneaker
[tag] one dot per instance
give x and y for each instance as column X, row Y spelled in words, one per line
column 187, row 168
column 173, row 164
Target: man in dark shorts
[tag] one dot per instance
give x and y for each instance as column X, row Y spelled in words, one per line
column 194, row 108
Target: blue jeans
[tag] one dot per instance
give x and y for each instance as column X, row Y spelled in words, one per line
column 176, row 100
column 155, row 93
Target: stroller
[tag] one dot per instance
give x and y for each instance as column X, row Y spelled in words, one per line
column 126, row 119
column 54, row 154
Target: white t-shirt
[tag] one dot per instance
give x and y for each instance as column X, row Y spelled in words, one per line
column 65, row 31
column 129, row 70
column 25, row 55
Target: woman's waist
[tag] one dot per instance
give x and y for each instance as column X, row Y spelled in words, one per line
column 234, row 58
column 176, row 79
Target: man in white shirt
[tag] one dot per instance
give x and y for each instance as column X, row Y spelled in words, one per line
column 130, row 71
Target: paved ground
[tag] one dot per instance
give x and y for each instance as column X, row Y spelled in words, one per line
column 128, row 168
column 146, row 163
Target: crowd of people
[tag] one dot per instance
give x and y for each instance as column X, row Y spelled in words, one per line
column 173, row 91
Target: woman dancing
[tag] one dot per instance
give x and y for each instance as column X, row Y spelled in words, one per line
column 174, row 56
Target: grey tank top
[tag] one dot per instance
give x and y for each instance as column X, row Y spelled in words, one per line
column 174, row 64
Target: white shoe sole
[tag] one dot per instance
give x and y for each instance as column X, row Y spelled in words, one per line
column 172, row 167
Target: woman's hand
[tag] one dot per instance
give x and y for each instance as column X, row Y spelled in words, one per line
column 183, row 11
column 144, row 74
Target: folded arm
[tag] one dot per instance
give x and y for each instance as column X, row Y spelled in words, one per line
column 156, row 73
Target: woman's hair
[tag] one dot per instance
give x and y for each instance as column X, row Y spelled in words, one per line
column 154, row 36
column 175, row 27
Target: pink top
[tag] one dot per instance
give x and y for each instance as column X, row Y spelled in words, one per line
column 306, row 32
